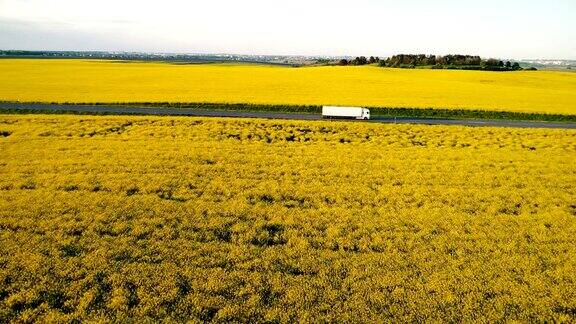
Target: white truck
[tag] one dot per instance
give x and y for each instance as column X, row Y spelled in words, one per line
column 345, row 112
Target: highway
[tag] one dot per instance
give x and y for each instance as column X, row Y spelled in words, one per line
column 126, row 110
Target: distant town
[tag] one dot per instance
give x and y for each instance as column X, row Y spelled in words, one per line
column 173, row 57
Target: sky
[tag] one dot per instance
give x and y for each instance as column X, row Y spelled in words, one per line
column 514, row 29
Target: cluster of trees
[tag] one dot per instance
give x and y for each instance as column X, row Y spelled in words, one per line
column 360, row 60
column 462, row 62
column 421, row 59
column 450, row 62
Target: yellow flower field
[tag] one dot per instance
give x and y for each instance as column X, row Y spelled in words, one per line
column 245, row 220
column 110, row 81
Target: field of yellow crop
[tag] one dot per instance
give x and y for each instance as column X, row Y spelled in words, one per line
column 149, row 218
column 110, row 81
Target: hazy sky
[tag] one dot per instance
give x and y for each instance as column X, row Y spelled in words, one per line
column 490, row 28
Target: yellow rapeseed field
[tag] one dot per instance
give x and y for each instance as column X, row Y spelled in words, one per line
column 235, row 220
column 112, row 81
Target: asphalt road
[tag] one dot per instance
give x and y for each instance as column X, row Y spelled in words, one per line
column 124, row 110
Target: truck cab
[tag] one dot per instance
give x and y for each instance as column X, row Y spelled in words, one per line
column 365, row 113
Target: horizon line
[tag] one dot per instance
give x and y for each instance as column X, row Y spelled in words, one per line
column 270, row 55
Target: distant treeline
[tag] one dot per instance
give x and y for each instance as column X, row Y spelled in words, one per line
column 467, row 62
column 360, row 60
column 461, row 62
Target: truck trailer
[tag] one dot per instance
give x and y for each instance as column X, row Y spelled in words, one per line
column 330, row 112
